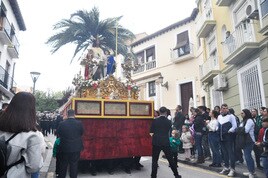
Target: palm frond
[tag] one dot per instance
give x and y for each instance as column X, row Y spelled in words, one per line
column 84, row 27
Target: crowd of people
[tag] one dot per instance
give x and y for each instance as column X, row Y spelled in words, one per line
column 218, row 135
column 221, row 136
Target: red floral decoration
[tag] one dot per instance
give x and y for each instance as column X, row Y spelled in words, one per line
column 129, row 87
column 95, row 85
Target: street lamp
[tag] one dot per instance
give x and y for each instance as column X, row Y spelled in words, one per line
column 161, row 81
column 34, row 76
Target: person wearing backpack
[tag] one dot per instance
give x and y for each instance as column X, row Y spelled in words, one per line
column 20, row 119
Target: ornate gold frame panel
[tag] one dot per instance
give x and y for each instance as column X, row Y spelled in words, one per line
column 140, row 109
column 112, row 109
column 88, row 107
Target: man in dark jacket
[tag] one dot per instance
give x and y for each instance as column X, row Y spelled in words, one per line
column 70, row 133
column 160, row 132
column 58, row 120
column 179, row 120
column 205, row 145
column 227, row 127
column 199, row 125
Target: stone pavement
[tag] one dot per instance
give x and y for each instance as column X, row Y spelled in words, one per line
column 48, row 170
column 49, row 161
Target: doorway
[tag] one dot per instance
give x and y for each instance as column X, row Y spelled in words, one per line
column 186, row 94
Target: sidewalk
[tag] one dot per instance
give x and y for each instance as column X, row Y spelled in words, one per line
column 48, row 162
column 239, row 168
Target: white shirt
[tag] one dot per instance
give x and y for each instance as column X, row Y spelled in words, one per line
column 249, row 128
column 213, row 125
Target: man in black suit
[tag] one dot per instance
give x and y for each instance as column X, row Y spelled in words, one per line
column 160, row 132
column 179, row 120
column 58, row 120
column 70, row 133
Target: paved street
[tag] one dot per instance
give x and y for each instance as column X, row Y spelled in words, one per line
column 187, row 170
column 163, row 172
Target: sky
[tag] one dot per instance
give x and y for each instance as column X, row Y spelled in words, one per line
column 56, row 70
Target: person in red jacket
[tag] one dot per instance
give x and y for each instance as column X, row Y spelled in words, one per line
column 264, row 114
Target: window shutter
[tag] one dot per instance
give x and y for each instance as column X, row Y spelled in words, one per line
column 182, row 39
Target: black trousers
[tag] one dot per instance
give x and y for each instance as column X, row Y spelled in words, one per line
column 206, row 146
column 175, row 157
column 137, row 160
column 70, row 159
column 258, row 151
column 155, row 157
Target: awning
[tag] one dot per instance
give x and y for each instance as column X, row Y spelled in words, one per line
column 182, row 39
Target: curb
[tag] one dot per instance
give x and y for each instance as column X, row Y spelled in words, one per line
column 237, row 174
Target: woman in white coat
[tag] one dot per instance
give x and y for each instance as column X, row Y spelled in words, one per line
column 20, row 117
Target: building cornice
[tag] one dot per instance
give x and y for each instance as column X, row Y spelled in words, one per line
column 16, row 10
column 168, row 28
column 146, row 77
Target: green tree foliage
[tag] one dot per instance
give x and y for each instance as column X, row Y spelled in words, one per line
column 46, row 101
column 65, row 95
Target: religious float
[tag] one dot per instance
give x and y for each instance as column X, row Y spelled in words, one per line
column 116, row 122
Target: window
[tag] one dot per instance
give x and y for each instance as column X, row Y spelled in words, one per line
column 212, row 45
column 150, row 54
column 140, row 58
column 250, row 86
column 183, row 46
column 239, row 13
column 214, row 59
column 151, row 88
column 3, row 10
column 216, row 98
column 264, row 7
column 146, row 59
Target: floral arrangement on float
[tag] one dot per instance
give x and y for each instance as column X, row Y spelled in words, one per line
column 80, row 82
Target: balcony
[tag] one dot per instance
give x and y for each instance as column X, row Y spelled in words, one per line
column 240, row 44
column 5, row 31
column 205, row 23
column 145, row 66
column 183, row 53
column 13, row 49
column 224, row 2
column 209, row 69
column 6, row 81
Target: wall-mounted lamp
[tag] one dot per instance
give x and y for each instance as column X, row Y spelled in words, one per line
column 161, row 82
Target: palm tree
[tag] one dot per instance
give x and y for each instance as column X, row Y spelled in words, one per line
column 85, row 29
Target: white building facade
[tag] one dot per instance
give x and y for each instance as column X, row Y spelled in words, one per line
column 11, row 22
column 169, row 69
